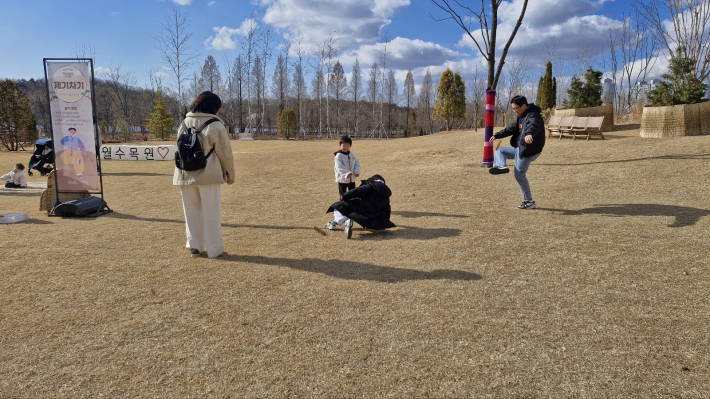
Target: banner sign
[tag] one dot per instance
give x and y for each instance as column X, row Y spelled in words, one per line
column 138, row 152
column 73, row 131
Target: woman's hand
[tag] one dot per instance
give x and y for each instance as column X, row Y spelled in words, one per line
column 230, row 181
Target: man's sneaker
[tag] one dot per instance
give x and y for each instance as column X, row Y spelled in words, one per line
column 332, row 225
column 348, row 228
column 527, row 205
column 195, row 253
column 498, row 170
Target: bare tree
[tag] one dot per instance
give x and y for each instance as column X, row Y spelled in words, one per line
column 85, row 50
column 691, row 28
column 280, row 84
column 638, row 54
column 257, row 79
column 265, row 55
column 120, row 86
column 392, row 94
column 318, row 89
column 464, row 17
column 174, row 46
column 249, row 51
column 426, row 101
column 299, row 80
column 382, row 58
column 477, row 96
column 373, row 90
column 326, row 59
column 337, row 85
column 408, row 92
column 239, row 81
column 355, row 90
column 210, row 77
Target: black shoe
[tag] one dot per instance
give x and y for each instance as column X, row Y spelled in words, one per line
column 195, row 253
column 498, row 170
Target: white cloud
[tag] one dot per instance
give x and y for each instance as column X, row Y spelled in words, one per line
column 567, row 23
column 353, row 22
column 183, row 2
column 223, row 40
column 402, row 54
column 210, row 4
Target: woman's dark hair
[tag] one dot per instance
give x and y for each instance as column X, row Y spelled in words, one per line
column 206, row 103
column 20, row 166
column 519, row 101
column 376, row 177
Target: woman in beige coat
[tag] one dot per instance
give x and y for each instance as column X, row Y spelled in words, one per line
column 200, row 189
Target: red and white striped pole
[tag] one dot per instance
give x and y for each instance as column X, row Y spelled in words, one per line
column 488, row 128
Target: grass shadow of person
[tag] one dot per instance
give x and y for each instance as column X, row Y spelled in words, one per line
column 133, row 174
column 119, row 215
column 406, row 233
column 684, row 215
column 350, row 270
column 414, row 215
column 661, row 157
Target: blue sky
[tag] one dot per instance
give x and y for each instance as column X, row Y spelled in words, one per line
column 122, row 32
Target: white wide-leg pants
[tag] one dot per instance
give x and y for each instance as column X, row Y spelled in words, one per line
column 203, row 218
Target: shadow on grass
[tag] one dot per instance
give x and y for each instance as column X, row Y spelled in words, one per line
column 21, row 192
column 668, row 157
column 349, row 270
column 684, row 215
column 132, row 174
column 406, row 233
column 413, row 215
column 117, row 215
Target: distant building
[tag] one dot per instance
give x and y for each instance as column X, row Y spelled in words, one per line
column 638, row 92
column 707, row 89
column 608, row 91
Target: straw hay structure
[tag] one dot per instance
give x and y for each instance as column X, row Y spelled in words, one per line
column 605, row 110
column 676, row 120
column 603, row 291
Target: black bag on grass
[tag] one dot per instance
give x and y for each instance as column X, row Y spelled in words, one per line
column 189, row 155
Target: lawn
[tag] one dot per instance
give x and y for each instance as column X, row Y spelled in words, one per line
column 602, row 291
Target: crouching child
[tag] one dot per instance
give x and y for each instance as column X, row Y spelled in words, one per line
column 367, row 205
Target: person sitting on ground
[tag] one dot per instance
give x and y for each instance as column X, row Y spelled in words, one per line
column 17, row 177
column 368, row 205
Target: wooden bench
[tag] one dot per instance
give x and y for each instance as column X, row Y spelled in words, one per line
column 564, row 124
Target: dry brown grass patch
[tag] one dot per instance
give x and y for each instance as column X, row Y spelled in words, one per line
column 600, row 292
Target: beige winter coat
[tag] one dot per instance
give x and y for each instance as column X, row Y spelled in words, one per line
column 220, row 164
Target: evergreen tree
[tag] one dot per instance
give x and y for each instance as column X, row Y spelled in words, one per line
column 540, row 92
column 680, row 86
column 553, row 94
column 160, row 122
column 589, row 94
column 546, row 94
column 459, row 97
column 450, row 97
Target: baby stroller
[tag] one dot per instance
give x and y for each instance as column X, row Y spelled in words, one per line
column 43, row 157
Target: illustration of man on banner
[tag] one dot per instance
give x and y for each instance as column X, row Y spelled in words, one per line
column 74, row 154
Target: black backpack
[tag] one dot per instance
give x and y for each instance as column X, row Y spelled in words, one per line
column 189, row 155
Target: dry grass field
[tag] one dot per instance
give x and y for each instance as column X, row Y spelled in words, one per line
column 603, row 291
